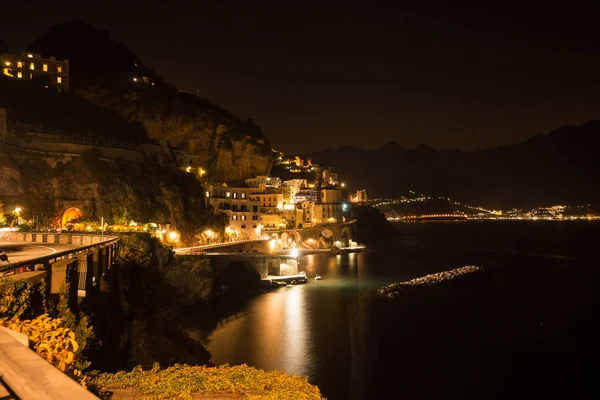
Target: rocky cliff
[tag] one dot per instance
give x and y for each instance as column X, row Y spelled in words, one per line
column 45, row 184
column 104, row 72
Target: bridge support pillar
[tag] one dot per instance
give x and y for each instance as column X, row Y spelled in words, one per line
column 85, row 268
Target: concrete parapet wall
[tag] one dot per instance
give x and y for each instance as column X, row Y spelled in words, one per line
column 29, row 376
column 64, row 239
column 86, row 240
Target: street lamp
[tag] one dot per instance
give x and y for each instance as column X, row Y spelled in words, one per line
column 18, row 209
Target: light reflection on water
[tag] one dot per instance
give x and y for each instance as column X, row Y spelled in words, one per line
column 293, row 327
column 336, row 331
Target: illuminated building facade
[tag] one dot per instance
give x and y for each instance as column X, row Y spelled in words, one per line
column 329, row 209
column 50, row 72
column 264, row 182
column 360, row 196
column 330, row 177
column 234, row 201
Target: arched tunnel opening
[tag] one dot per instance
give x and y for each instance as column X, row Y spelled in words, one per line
column 239, row 278
column 69, row 215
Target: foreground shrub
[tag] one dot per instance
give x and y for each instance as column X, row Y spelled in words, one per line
column 185, row 381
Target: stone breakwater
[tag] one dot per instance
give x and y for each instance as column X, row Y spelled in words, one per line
column 426, row 282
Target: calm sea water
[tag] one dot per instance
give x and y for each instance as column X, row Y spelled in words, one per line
column 529, row 327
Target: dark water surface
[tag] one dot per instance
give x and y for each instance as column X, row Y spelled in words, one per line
column 527, row 328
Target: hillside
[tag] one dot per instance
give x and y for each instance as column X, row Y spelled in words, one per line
column 558, row 167
column 105, row 73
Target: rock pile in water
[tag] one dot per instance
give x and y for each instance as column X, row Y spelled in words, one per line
column 425, row 282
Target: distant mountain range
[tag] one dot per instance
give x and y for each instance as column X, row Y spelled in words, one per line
column 559, row 167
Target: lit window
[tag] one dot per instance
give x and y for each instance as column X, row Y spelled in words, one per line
column 30, row 55
column 234, row 217
column 235, row 195
column 59, row 69
column 19, row 64
column 228, row 194
column 59, row 79
column 32, row 66
column 45, row 67
column 243, row 195
column 19, row 74
column 243, row 217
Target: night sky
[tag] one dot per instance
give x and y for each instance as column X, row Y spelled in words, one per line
column 360, row 73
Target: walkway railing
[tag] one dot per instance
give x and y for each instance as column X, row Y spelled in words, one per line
column 200, row 249
column 25, row 375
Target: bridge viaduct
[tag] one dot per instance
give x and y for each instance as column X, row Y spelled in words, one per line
column 90, row 256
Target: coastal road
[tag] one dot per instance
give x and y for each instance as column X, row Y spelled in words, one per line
column 23, row 251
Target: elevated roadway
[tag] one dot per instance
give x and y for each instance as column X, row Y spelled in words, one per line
column 18, row 251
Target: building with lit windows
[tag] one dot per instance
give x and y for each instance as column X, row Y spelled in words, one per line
column 233, row 200
column 49, row 72
column 264, row 182
column 329, row 208
column 268, row 199
column 330, row 177
column 291, row 187
column 360, row 196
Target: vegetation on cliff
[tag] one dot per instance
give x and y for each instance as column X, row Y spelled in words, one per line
column 135, row 305
column 187, row 382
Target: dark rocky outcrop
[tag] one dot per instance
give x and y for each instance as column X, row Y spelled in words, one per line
column 371, row 224
column 104, row 72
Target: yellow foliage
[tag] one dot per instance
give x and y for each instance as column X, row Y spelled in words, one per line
column 185, row 381
column 51, row 340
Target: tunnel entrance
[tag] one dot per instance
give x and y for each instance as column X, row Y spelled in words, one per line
column 69, row 215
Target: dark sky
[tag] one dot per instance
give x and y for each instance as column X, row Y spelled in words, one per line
column 317, row 74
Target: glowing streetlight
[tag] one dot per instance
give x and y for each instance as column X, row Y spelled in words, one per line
column 174, row 236
column 18, row 210
column 294, row 252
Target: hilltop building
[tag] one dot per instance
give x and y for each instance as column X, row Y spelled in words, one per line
column 50, row 72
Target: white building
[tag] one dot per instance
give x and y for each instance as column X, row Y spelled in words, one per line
column 291, row 187
column 264, row 181
column 234, row 201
